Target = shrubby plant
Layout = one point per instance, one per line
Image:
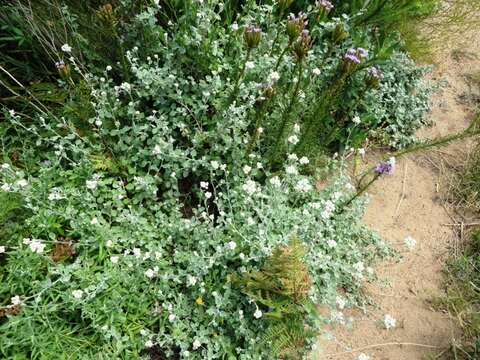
(160, 181)
(142, 275)
(400, 106)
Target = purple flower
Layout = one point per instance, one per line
(362, 53)
(355, 55)
(295, 25)
(375, 73)
(386, 167)
(352, 58)
(327, 5)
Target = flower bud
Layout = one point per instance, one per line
(63, 69)
(339, 34)
(106, 14)
(324, 7)
(295, 25)
(284, 4)
(252, 36)
(302, 45)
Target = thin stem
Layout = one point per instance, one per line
(280, 58)
(361, 191)
(293, 100)
(240, 76)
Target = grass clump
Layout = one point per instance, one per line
(463, 298)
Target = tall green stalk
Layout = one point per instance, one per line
(286, 115)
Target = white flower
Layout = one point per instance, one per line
(304, 160)
(249, 65)
(157, 150)
(16, 300)
(114, 259)
(292, 157)
(392, 162)
(291, 170)
(137, 252)
(77, 294)
(247, 169)
(257, 314)
(55, 195)
(125, 86)
(296, 128)
(21, 183)
(250, 187)
(410, 243)
(171, 317)
(363, 356)
(389, 322)
(361, 151)
(275, 181)
(208, 194)
(359, 266)
(293, 139)
(316, 71)
(196, 344)
(66, 48)
(27, 241)
(6, 187)
(204, 184)
(260, 130)
(234, 26)
(109, 243)
(149, 344)
(274, 76)
(94, 221)
(303, 186)
(2, 249)
(36, 246)
(232, 245)
(91, 184)
(108, 68)
(356, 119)
(191, 280)
(214, 164)
(149, 273)
(341, 303)
(5, 166)
(332, 243)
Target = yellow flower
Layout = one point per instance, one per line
(199, 301)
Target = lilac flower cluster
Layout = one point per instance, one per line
(386, 167)
(295, 25)
(252, 36)
(355, 55)
(327, 5)
(375, 73)
(302, 45)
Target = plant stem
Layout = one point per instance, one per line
(285, 118)
(240, 76)
(280, 58)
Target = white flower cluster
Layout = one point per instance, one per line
(35, 245)
(389, 321)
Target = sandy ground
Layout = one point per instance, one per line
(408, 203)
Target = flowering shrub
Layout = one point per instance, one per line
(140, 274)
(185, 165)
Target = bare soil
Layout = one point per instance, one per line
(409, 203)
